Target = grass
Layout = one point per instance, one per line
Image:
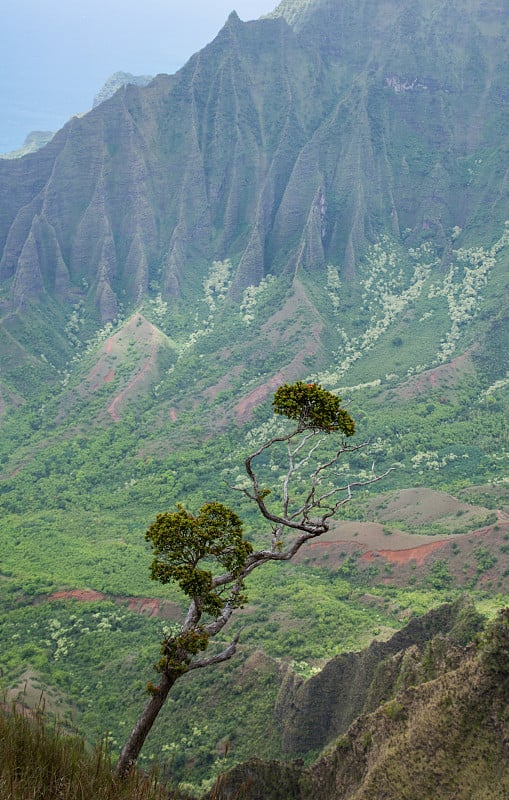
(41, 761)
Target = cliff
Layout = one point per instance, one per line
(281, 146)
(445, 737)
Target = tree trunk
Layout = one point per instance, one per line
(139, 733)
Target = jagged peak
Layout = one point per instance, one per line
(293, 11)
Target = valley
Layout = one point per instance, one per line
(313, 197)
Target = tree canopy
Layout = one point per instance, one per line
(181, 542)
(313, 407)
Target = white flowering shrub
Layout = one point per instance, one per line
(333, 287)
(75, 323)
(495, 387)
(393, 279)
(61, 637)
(431, 461)
(462, 288)
(158, 308)
(251, 296)
(217, 282)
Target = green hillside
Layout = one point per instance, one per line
(320, 195)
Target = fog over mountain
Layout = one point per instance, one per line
(56, 56)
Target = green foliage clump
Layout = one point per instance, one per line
(177, 651)
(395, 710)
(485, 560)
(181, 541)
(313, 407)
(440, 576)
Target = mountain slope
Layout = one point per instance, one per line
(280, 149)
(320, 196)
(445, 736)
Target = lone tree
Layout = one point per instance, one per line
(208, 556)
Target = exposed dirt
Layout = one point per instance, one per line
(246, 406)
(420, 508)
(137, 380)
(31, 694)
(445, 377)
(373, 536)
(477, 556)
(369, 541)
(415, 554)
(137, 342)
(84, 595)
(278, 330)
(223, 384)
(149, 606)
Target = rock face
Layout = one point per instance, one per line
(313, 713)
(286, 144)
(438, 733)
(34, 141)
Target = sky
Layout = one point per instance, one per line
(57, 54)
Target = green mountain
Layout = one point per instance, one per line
(440, 732)
(281, 148)
(318, 195)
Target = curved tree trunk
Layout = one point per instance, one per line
(180, 650)
(139, 733)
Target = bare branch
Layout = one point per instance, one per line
(193, 616)
(225, 655)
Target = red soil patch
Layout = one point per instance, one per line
(246, 406)
(83, 595)
(137, 332)
(417, 554)
(418, 507)
(403, 556)
(370, 543)
(149, 606)
(222, 385)
(144, 606)
(152, 607)
(172, 413)
(441, 376)
(113, 408)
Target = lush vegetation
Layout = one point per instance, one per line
(78, 491)
(385, 300)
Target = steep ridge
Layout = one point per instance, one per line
(440, 731)
(280, 148)
(315, 712)
(321, 198)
